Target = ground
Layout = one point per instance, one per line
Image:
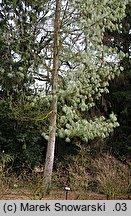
(55, 195)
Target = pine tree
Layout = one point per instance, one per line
(83, 78)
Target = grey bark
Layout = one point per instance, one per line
(53, 117)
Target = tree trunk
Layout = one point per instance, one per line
(52, 128)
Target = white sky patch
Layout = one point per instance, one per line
(112, 58)
(16, 56)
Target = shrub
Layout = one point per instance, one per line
(113, 176)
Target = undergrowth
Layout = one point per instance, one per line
(83, 174)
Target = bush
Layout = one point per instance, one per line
(112, 176)
(73, 171)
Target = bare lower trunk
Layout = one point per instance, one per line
(52, 129)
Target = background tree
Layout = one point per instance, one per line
(21, 111)
(120, 88)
